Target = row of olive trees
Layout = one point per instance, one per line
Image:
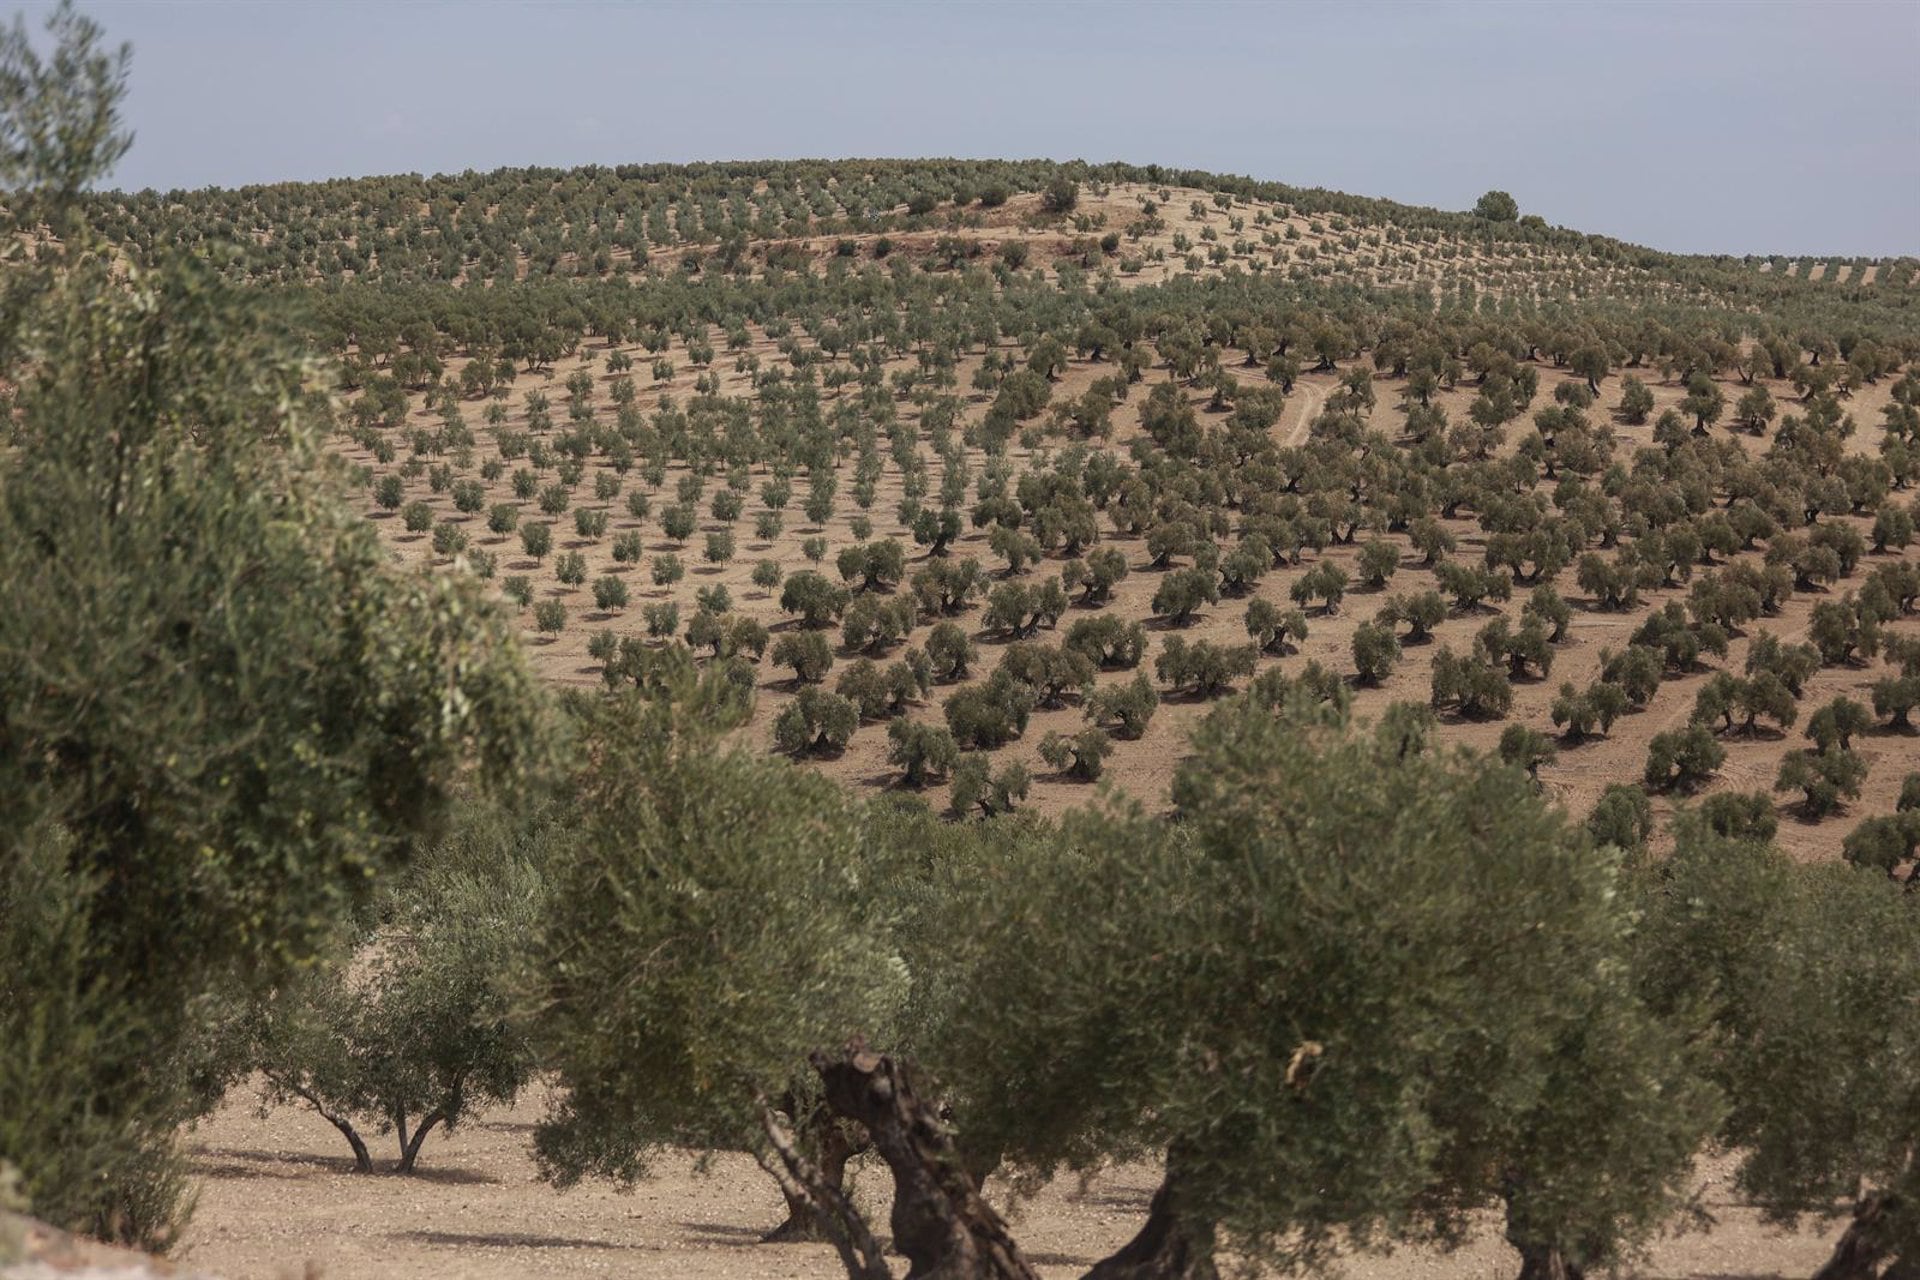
(828, 923)
(736, 955)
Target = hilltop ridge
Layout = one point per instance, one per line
(545, 221)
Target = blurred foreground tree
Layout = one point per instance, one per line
(224, 712)
(1805, 972)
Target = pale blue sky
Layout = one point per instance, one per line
(1726, 126)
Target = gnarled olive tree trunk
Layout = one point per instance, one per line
(1870, 1248)
(940, 1221)
(410, 1143)
(830, 1146)
(1544, 1262)
(362, 1158)
(810, 1193)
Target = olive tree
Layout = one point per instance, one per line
(1805, 972)
(1379, 561)
(1182, 592)
(976, 786)
(705, 933)
(807, 652)
(1682, 759)
(922, 751)
(1276, 632)
(1079, 756)
(1096, 575)
(815, 723)
(1326, 581)
(950, 651)
(1363, 1100)
(412, 1029)
(1497, 206)
(816, 600)
(1825, 778)
(1375, 650)
(1127, 708)
(1203, 668)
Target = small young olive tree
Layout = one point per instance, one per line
(412, 1030)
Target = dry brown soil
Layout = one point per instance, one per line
(278, 1200)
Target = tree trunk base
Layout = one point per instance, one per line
(1867, 1250)
(1539, 1262)
(831, 1148)
(808, 1190)
(1166, 1248)
(801, 1227)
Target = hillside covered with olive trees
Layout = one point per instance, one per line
(1003, 473)
(1017, 719)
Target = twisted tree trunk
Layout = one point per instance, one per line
(1869, 1242)
(804, 1184)
(410, 1146)
(831, 1148)
(1169, 1246)
(940, 1221)
(451, 1104)
(1540, 1259)
(362, 1158)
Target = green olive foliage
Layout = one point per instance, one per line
(706, 929)
(1803, 971)
(228, 713)
(1306, 1086)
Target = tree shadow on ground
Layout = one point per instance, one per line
(501, 1240)
(727, 1234)
(235, 1164)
